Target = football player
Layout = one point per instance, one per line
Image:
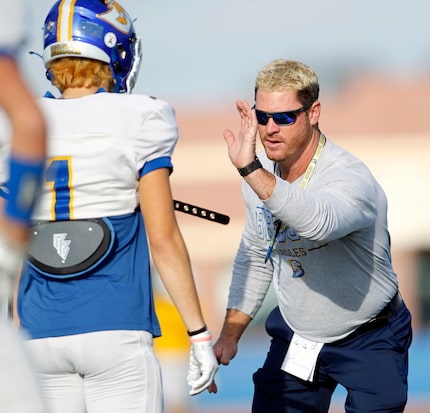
(85, 296)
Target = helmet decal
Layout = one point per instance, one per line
(116, 16)
(110, 39)
(95, 29)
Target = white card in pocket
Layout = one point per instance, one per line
(301, 358)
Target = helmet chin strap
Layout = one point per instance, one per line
(116, 85)
(48, 73)
(116, 71)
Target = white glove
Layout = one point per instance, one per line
(203, 363)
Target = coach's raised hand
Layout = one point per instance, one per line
(241, 148)
(203, 363)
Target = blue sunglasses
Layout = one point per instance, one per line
(280, 118)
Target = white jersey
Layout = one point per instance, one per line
(12, 25)
(98, 146)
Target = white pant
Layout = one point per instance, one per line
(100, 372)
(19, 390)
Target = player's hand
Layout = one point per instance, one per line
(203, 364)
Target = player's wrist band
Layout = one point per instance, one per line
(253, 166)
(199, 331)
(23, 187)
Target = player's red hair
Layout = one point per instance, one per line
(75, 72)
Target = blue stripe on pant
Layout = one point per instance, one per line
(373, 367)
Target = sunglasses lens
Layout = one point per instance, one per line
(262, 118)
(280, 118)
(284, 118)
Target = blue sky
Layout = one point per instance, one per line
(210, 51)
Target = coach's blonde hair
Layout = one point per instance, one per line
(283, 74)
(76, 72)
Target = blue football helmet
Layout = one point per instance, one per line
(94, 29)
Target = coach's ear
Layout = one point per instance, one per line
(314, 113)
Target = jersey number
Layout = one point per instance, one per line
(59, 177)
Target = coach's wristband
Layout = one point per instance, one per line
(253, 166)
(23, 187)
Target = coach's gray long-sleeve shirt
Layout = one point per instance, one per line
(331, 263)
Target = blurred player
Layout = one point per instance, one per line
(85, 295)
(24, 131)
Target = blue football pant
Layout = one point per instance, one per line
(373, 367)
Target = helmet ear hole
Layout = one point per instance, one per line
(117, 67)
(122, 53)
(48, 75)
